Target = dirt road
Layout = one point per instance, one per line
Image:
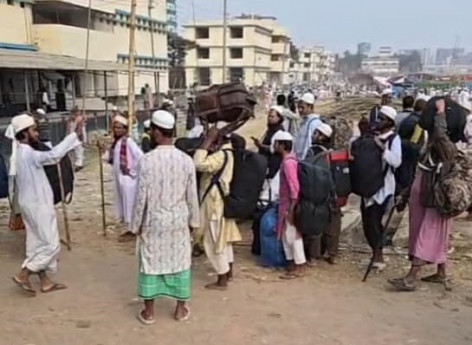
(328, 307)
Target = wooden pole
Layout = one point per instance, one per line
(64, 208)
(87, 46)
(131, 88)
(105, 85)
(225, 29)
(151, 29)
(74, 101)
(102, 190)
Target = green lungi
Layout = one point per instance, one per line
(175, 285)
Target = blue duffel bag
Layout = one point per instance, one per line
(272, 252)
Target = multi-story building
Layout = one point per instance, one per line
(257, 51)
(314, 65)
(381, 65)
(54, 33)
(171, 15)
(445, 55)
(385, 51)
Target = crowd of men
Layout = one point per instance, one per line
(160, 204)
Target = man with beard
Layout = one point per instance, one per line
(36, 202)
(386, 99)
(123, 155)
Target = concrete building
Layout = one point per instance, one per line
(257, 51)
(381, 65)
(53, 34)
(314, 65)
(171, 8)
(385, 51)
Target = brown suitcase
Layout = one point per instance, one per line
(229, 102)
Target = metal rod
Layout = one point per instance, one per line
(87, 46)
(105, 85)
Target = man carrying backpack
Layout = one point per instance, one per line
(288, 198)
(215, 180)
(373, 207)
(386, 99)
(309, 122)
(408, 102)
(328, 241)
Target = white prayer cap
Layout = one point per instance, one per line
(282, 136)
(386, 92)
(388, 111)
(308, 98)
(121, 119)
(40, 111)
(147, 124)
(115, 108)
(167, 102)
(163, 119)
(325, 129)
(22, 122)
(278, 109)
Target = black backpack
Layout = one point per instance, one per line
(249, 171)
(407, 127)
(3, 178)
(456, 118)
(52, 174)
(366, 168)
(317, 195)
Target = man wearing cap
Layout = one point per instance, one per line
(292, 240)
(168, 105)
(146, 137)
(309, 122)
(322, 142)
(123, 155)
(219, 233)
(386, 99)
(373, 208)
(166, 210)
(36, 202)
(42, 124)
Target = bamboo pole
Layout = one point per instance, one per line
(87, 48)
(102, 190)
(131, 55)
(64, 208)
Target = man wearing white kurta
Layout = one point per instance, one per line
(123, 156)
(165, 210)
(36, 202)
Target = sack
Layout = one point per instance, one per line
(52, 174)
(342, 132)
(249, 172)
(272, 252)
(453, 191)
(339, 166)
(3, 178)
(229, 102)
(455, 118)
(316, 197)
(366, 168)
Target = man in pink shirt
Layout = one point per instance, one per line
(289, 187)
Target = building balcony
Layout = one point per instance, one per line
(281, 48)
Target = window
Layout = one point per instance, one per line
(203, 53)
(307, 65)
(10, 2)
(236, 74)
(274, 58)
(307, 55)
(236, 53)
(204, 76)
(202, 33)
(236, 32)
(306, 77)
(292, 64)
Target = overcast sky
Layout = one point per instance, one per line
(341, 24)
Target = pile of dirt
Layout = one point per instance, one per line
(351, 108)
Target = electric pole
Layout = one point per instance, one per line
(156, 74)
(225, 28)
(132, 54)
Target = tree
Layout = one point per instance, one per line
(410, 63)
(294, 52)
(349, 64)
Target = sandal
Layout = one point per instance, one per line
(401, 285)
(26, 286)
(184, 318)
(143, 320)
(216, 287)
(437, 279)
(54, 287)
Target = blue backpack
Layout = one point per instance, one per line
(3, 178)
(272, 252)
